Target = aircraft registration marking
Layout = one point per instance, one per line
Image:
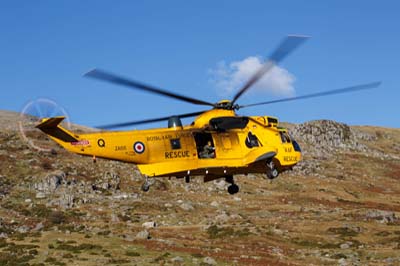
(120, 148)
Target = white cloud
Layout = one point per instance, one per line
(228, 78)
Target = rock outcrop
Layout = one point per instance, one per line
(67, 192)
(327, 135)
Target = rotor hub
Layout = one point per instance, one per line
(226, 105)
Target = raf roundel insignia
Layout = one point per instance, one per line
(138, 147)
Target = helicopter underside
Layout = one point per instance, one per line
(270, 168)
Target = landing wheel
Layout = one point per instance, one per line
(233, 189)
(187, 179)
(145, 187)
(272, 172)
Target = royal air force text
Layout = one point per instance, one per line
(167, 137)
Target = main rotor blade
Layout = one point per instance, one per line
(106, 76)
(289, 44)
(320, 94)
(146, 121)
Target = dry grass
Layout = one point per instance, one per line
(296, 219)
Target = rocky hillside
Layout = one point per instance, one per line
(339, 206)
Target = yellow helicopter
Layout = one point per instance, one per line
(218, 144)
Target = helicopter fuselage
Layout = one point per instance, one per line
(246, 147)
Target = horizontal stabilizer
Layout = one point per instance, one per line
(51, 128)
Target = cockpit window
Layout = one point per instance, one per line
(252, 141)
(296, 145)
(285, 137)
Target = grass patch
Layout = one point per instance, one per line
(3, 243)
(315, 244)
(7, 258)
(394, 240)
(5, 185)
(54, 261)
(339, 256)
(104, 233)
(383, 233)
(78, 248)
(220, 232)
(71, 228)
(68, 256)
(348, 201)
(243, 233)
(329, 245)
(56, 217)
(343, 231)
(13, 254)
(162, 257)
(132, 254)
(119, 261)
(46, 215)
(124, 218)
(41, 212)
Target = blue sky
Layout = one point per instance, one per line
(46, 47)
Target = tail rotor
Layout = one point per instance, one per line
(31, 115)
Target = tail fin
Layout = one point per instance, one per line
(51, 127)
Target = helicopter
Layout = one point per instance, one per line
(219, 143)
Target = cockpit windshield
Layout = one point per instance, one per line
(296, 145)
(285, 137)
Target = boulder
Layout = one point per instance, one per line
(40, 195)
(51, 182)
(186, 206)
(143, 235)
(149, 225)
(209, 261)
(382, 216)
(177, 260)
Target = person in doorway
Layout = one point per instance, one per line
(208, 151)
